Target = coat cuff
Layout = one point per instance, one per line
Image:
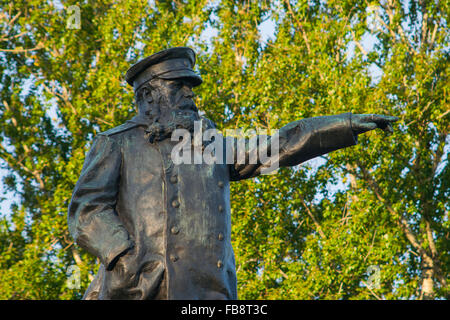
(338, 133)
(105, 237)
(111, 258)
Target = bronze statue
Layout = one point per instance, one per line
(163, 230)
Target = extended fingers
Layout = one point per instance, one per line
(380, 118)
(365, 122)
(384, 122)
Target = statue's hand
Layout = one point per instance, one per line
(366, 122)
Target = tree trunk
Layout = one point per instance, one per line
(427, 280)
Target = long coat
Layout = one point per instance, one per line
(163, 231)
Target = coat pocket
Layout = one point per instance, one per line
(133, 279)
(150, 279)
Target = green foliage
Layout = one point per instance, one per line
(309, 232)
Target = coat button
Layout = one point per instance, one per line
(220, 236)
(219, 264)
(173, 179)
(220, 184)
(220, 208)
(173, 257)
(175, 230)
(175, 203)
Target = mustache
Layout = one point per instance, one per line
(186, 104)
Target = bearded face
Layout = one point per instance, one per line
(169, 105)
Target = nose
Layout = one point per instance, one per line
(187, 91)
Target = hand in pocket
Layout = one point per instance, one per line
(123, 276)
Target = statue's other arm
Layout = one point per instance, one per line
(305, 139)
(92, 219)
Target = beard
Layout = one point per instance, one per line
(169, 117)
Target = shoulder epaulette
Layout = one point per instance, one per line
(136, 121)
(123, 127)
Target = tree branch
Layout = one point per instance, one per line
(20, 49)
(11, 160)
(430, 260)
(400, 220)
(371, 291)
(316, 223)
(300, 25)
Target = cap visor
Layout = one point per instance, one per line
(176, 74)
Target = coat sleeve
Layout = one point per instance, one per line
(293, 144)
(92, 219)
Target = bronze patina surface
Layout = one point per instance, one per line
(163, 230)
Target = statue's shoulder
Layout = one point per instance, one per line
(137, 121)
(119, 129)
